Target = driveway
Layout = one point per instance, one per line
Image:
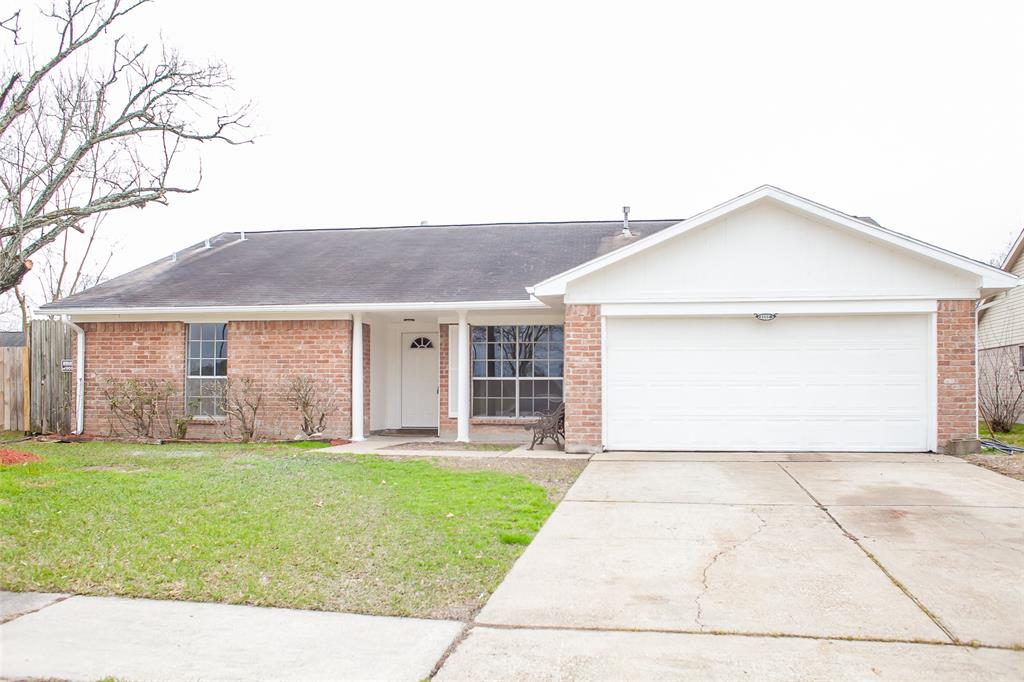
(764, 566)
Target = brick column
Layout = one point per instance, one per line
(583, 378)
(957, 409)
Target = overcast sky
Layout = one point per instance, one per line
(383, 113)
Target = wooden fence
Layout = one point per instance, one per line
(50, 346)
(14, 387)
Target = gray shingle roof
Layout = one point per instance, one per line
(442, 263)
(12, 339)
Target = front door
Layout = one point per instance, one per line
(419, 380)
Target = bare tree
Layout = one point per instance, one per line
(1000, 388)
(77, 140)
(313, 400)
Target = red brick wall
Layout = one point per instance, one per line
(957, 383)
(583, 378)
(123, 350)
(271, 352)
(447, 427)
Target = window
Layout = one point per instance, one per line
(206, 368)
(517, 370)
(421, 342)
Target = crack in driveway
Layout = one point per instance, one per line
(699, 618)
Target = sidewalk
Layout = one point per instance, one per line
(89, 638)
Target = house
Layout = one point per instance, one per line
(1001, 325)
(769, 322)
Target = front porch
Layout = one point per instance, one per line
(464, 375)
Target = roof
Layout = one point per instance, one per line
(421, 264)
(992, 278)
(12, 339)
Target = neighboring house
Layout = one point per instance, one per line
(769, 322)
(12, 339)
(1001, 324)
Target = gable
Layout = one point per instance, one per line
(769, 251)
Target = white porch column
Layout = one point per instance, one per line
(464, 387)
(357, 377)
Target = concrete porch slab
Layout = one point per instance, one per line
(687, 482)
(878, 484)
(750, 569)
(89, 638)
(384, 446)
(558, 655)
(965, 563)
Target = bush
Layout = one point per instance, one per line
(313, 400)
(143, 408)
(1000, 388)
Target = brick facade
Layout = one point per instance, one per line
(123, 350)
(957, 383)
(274, 351)
(583, 378)
(271, 352)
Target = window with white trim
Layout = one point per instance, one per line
(206, 368)
(517, 370)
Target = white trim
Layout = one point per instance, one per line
(604, 381)
(344, 310)
(357, 378)
(991, 277)
(465, 404)
(933, 387)
(751, 307)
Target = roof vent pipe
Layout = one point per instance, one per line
(242, 238)
(207, 243)
(625, 222)
(174, 257)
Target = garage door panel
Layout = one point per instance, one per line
(799, 383)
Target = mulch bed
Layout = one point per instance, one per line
(18, 457)
(1007, 465)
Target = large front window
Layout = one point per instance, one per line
(517, 370)
(207, 368)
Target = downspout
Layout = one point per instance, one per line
(79, 377)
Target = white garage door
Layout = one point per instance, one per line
(844, 383)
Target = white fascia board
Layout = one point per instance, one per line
(991, 276)
(735, 308)
(341, 310)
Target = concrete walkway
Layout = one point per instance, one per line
(696, 566)
(89, 638)
(390, 446)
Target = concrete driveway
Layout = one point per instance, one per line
(764, 566)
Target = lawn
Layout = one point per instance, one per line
(270, 524)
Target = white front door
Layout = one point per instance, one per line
(419, 380)
(795, 383)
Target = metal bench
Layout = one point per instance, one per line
(550, 425)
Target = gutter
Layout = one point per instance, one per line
(79, 376)
(343, 309)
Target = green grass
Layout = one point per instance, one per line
(265, 524)
(1014, 437)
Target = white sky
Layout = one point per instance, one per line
(376, 113)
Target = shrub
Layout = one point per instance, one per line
(140, 406)
(313, 400)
